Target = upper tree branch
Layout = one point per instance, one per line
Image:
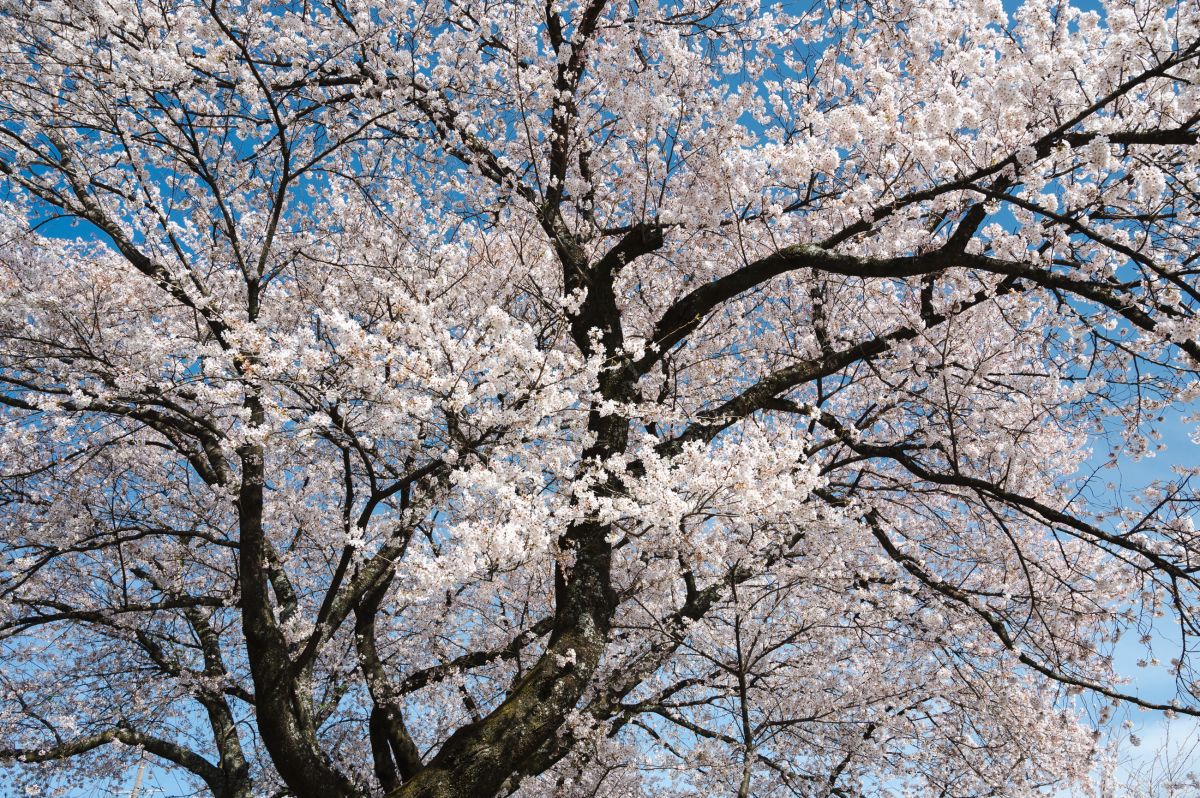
(164, 749)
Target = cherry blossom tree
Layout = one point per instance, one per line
(589, 397)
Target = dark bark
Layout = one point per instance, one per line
(283, 707)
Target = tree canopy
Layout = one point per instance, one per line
(590, 397)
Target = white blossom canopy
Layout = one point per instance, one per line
(589, 398)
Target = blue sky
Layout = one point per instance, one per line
(1174, 739)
